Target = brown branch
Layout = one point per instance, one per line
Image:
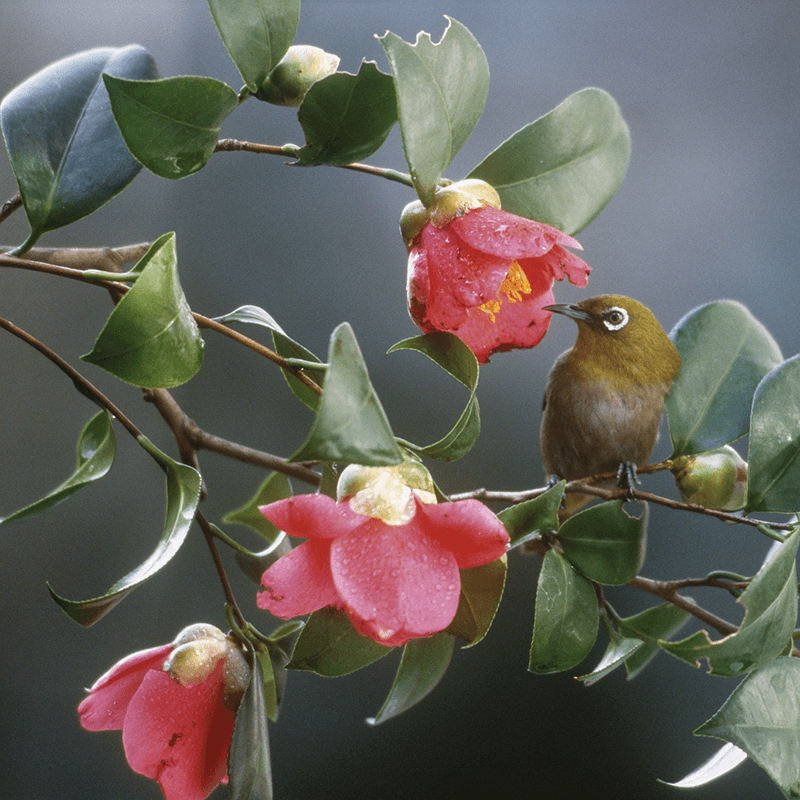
(10, 206)
(106, 259)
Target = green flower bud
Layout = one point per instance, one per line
(386, 493)
(715, 479)
(449, 202)
(301, 67)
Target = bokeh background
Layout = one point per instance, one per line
(709, 209)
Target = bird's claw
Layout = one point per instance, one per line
(627, 477)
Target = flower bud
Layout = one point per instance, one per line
(198, 650)
(715, 479)
(386, 493)
(301, 67)
(449, 202)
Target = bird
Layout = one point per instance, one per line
(605, 396)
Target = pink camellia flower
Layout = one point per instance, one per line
(482, 273)
(175, 705)
(385, 552)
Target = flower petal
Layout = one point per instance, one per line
(467, 528)
(300, 582)
(563, 262)
(104, 709)
(312, 516)
(395, 582)
(179, 735)
(496, 232)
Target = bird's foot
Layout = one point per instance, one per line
(627, 477)
(553, 480)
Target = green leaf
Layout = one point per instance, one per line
(765, 633)
(330, 646)
(422, 666)
(351, 426)
(774, 448)
(183, 495)
(604, 543)
(256, 34)
(275, 487)
(532, 517)
(651, 626)
(284, 346)
(171, 126)
(66, 152)
(566, 619)
(619, 649)
(728, 757)
(441, 91)
(563, 168)
(481, 592)
(453, 356)
(249, 767)
(725, 352)
(762, 717)
(279, 646)
(345, 117)
(151, 339)
(96, 449)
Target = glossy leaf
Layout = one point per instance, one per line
(284, 346)
(774, 448)
(619, 649)
(481, 592)
(422, 666)
(525, 520)
(279, 647)
(256, 34)
(441, 91)
(66, 152)
(453, 356)
(566, 619)
(346, 118)
(330, 646)
(96, 449)
(171, 126)
(249, 769)
(351, 426)
(274, 487)
(651, 626)
(762, 717)
(728, 757)
(725, 352)
(563, 168)
(605, 543)
(151, 339)
(183, 495)
(765, 633)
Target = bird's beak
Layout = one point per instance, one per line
(573, 311)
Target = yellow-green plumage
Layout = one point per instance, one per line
(605, 396)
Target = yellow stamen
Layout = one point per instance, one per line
(514, 285)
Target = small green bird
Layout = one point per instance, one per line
(605, 396)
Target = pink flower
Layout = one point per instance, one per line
(389, 560)
(175, 705)
(482, 273)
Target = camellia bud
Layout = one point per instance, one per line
(301, 67)
(386, 493)
(449, 202)
(197, 651)
(715, 479)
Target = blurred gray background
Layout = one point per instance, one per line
(708, 209)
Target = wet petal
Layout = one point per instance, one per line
(300, 582)
(496, 232)
(312, 516)
(395, 582)
(468, 529)
(179, 735)
(104, 709)
(560, 262)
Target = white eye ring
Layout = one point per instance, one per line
(616, 313)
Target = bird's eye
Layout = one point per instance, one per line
(615, 318)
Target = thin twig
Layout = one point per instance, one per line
(10, 206)
(106, 259)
